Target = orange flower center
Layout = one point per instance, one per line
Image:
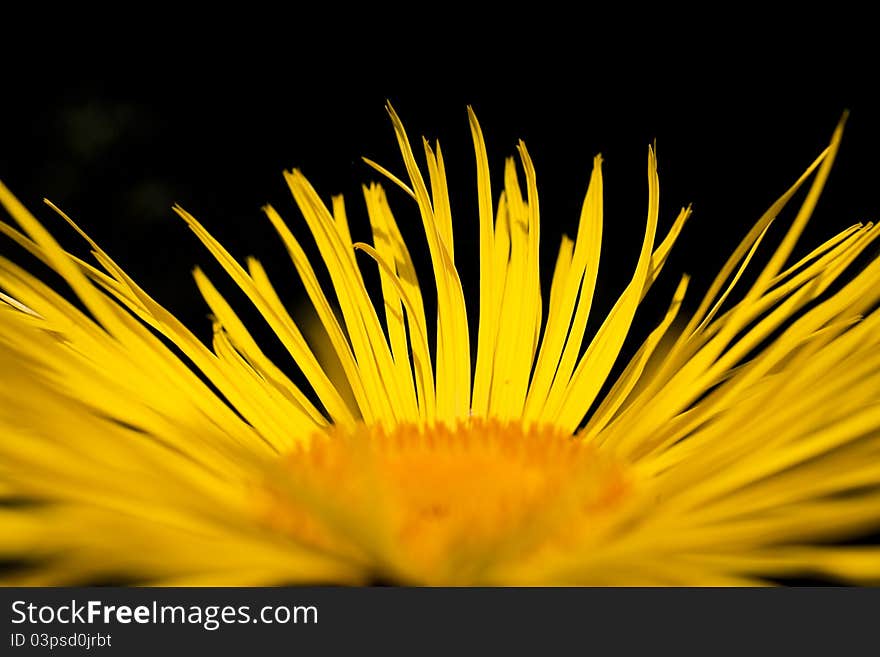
(446, 504)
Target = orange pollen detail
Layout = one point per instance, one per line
(443, 503)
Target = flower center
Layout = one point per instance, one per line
(447, 504)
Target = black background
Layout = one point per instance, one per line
(115, 143)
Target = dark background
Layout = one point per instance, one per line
(116, 144)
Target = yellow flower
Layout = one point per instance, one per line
(738, 448)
